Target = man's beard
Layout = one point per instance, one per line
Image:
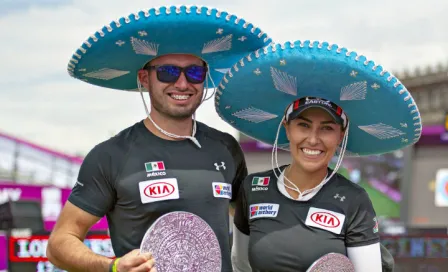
(171, 111)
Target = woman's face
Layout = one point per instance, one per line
(314, 137)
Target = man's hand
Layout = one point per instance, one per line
(136, 262)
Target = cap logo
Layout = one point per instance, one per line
(296, 104)
(339, 111)
(317, 101)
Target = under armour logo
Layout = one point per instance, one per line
(223, 166)
(340, 197)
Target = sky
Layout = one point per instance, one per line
(40, 102)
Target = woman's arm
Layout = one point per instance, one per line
(241, 232)
(366, 258)
(240, 251)
(362, 239)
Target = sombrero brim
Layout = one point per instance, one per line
(112, 56)
(253, 95)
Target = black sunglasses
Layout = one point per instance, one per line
(168, 73)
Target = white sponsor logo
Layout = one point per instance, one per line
(263, 210)
(156, 174)
(325, 219)
(222, 190)
(219, 166)
(317, 101)
(158, 190)
(255, 189)
(341, 198)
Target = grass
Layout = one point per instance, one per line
(383, 205)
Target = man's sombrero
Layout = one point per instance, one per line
(253, 95)
(112, 56)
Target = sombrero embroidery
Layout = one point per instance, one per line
(254, 94)
(112, 56)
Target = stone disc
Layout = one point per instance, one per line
(332, 262)
(182, 241)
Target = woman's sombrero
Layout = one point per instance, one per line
(253, 95)
(112, 56)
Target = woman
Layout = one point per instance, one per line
(315, 100)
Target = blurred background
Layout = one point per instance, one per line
(49, 121)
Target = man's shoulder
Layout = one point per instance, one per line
(219, 136)
(117, 144)
(214, 133)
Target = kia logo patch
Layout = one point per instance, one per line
(325, 219)
(159, 189)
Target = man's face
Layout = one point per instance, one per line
(177, 100)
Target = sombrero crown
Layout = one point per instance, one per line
(254, 94)
(113, 55)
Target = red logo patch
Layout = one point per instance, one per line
(325, 219)
(159, 189)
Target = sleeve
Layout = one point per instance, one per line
(363, 227)
(387, 259)
(240, 166)
(94, 191)
(240, 252)
(357, 256)
(240, 218)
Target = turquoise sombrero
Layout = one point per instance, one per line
(112, 56)
(253, 95)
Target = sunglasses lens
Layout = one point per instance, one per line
(168, 73)
(196, 74)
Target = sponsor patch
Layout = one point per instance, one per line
(260, 183)
(222, 190)
(375, 227)
(325, 219)
(263, 210)
(154, 169)
(158, 190)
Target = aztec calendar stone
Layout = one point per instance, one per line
(332, 262)
(182, 241)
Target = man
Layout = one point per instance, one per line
(167, 162)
